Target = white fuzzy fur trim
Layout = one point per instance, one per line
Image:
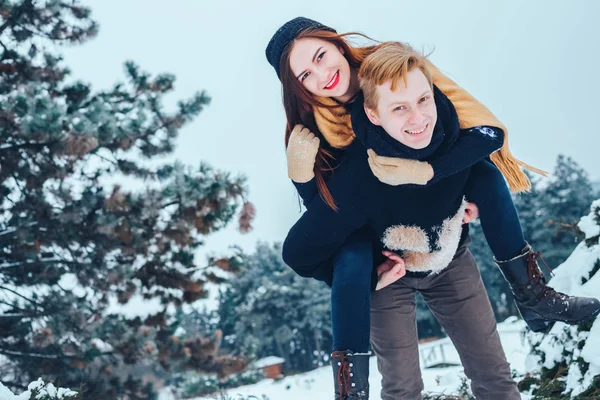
(400, 237)
(412, 241)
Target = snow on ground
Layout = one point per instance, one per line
(318, 384)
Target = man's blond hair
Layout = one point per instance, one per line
(391, 61)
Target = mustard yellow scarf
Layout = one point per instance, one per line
(335, 125)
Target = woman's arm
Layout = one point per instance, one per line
(301, 154)
(321, 231)
(472, 146)
(472, 113)
(307, 190)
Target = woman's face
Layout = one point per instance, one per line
(321, 68)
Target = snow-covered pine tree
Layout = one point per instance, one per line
(40, 390)
(565, 198)
(71, 250)
(268, 310)
(566, 361)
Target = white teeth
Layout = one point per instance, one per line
(417, 132)
(331, 81)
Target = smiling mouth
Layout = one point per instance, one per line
(335, 79)
(417, 132)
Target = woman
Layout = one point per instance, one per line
(318, 69)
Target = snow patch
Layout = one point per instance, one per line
(43, 389)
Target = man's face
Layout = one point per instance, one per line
(407, 114)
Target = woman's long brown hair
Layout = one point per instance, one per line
(298, 102)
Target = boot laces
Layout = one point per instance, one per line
(343, 375)
(536, 274)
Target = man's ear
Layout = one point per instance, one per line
(372, 115)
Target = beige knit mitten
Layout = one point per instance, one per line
(399, 171)
(301, 154)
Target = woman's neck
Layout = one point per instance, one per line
(353, 89)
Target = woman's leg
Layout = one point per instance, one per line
(538, 303)
(350, 316)
(350, 294)
(500, 222)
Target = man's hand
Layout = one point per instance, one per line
(390, 270)
(471, 213)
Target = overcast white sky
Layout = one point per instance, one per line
(532, 62)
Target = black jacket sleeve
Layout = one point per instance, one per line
(472, 146)
(307, 191)
(321, 231)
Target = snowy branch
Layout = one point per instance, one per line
(14, 229)
(25, 145)
(36, 355)
(45, 356)
(43, 261)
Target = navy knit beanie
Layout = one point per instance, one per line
(286, 34)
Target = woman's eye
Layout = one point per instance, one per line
(304, 76)
(321, 56)
(424, 99)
